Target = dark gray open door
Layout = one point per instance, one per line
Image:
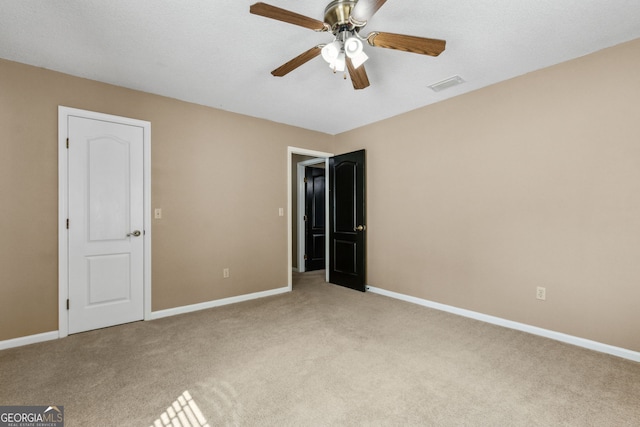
(347, 220)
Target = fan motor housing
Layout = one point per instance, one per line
(336, 14)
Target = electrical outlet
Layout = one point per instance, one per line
(157, 214)
(541, 293)
(225, 273)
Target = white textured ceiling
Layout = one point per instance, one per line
(214, 53)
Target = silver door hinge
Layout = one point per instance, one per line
(67, 223)
(305, 257)
(304, 218)
(304, 180)
(67, 303)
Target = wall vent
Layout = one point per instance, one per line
(446, 83)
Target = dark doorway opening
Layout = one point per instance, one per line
(314, 217)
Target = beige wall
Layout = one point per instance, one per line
(475, 201)
(218, 177)
(472, 202)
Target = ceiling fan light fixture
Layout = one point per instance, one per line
(354, 50)
(339, 64)
(334, 54)
(353, 47)
(359, 59)
(331, 51)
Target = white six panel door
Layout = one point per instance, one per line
(106, 223)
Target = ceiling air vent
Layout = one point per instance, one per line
(446, 83)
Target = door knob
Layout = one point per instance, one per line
(134, 234)
(360, 228)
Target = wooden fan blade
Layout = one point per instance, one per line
(421, 45)
(304, 57)
(364, 10)
(284, 15)
(358, 75)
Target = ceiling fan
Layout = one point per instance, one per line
(344, 19)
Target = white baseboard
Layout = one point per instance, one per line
(558, 336)
(47, 336)
(29, 339)
(216, 303)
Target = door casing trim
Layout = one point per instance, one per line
(63, 197)
(303, 152)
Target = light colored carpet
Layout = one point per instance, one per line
(321, 355)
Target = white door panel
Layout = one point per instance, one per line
(109, 279)
(109, 179)
(106, 205)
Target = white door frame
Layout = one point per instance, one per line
(312, 153)
(63, 198)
